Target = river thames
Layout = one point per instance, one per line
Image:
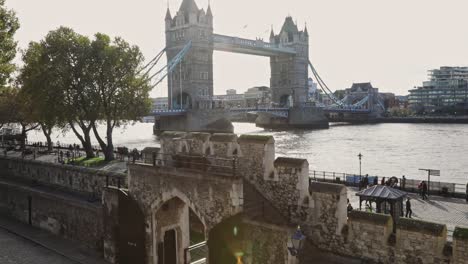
(387, 149)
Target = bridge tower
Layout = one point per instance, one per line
(190, 85)
(289, 73)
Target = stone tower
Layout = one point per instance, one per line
(289, 74)
(190, 85)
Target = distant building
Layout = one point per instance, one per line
(229, 100)
(402, 101)
(314, 93)
(257, 96)
(231, 92)
(389, 100)
(446, 87)
(160, 103)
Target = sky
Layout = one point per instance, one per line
(389, 43)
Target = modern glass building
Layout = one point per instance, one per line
(447, 86)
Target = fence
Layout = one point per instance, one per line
(222, 166)
(410, 185)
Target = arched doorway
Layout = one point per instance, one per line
(183, 101)
(286, 100)
(176, 229)
(131, 231)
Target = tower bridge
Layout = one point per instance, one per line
(190, 43)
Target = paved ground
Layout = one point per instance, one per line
(450, 211)
(16, 250)
(21, 243)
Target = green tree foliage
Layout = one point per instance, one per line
(82, 83)
(8, 26)
(21, 112)
(122, 94)
(56, 73)
(34, 78)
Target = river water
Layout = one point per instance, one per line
(387, 149)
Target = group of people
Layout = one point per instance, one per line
(422, 190)
(392, 182)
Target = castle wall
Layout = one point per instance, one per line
(70, 178)
(368, 236)
(58, 213)
(460, 245)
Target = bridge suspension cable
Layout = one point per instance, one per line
(324, 86)
(157, 77)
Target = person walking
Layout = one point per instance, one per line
(376, 180)
(383, 181)
(366, 181)
(424, 190)
(350, 207)
(409, 212)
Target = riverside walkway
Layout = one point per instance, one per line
(450, 211)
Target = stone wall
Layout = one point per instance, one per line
(58, 213)
(71, 178)
(212, 198)
(460, 245)
(370, 236)
(110, 201)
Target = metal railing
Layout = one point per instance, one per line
(196, 254)
(410, 185)
(215, 165)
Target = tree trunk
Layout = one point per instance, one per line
(110, 144)
(87, 145)
(23, 138)
(86, 141)
(47, 132)
(106, 147)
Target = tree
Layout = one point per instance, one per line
(35, 80)
(56, 74)
(22, 112)
(8, 26)
(122, 94)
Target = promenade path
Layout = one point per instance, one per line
(445, 210)
(24, 244)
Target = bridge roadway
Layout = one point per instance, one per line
(279, 111)
(252, 47)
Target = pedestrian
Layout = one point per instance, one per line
(376, 180)
(350, 207)
(383, 181)
(366, 181)
(424, 190)
(409, 212)
(403, 182)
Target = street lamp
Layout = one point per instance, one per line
(360, 158)
(360, 172)
(297, 241)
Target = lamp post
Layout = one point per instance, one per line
(297, 241)
(360, 172)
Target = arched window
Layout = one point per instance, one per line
(208, 151)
